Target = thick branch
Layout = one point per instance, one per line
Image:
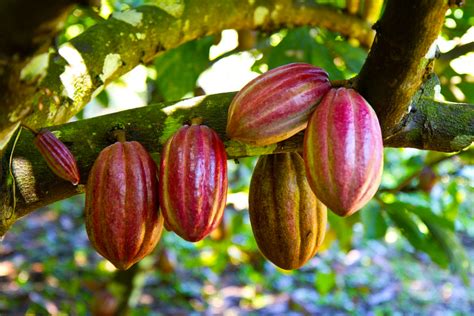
(152, 125)
(436, 126)
(457, 51)
(112, 48)
(28, 28)
(30, 25)
(397, 62)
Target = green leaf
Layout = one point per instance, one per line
(322, 57)
(178, 69)
(467, 156)
(325, 282)
(425, 213)
(409, 228)
(458, 259)
(343, 229)
(374, 223)
(353, 57)
(299, 46)
(416, 232)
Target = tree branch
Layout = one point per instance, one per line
(439, 126)
(396, 65)
(104, 52)
(457, 51)
(37, 186)
(406, 182)
(29, 28)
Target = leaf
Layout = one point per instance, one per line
(325, 282)
(409, 228)
(374, 223)
(353, 57)
(425, 213)
(458, 259)
(343, 229)
(299, 46)
(467, 156)
(178, 69)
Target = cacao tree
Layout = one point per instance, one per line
(58, 56)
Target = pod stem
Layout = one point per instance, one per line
(119, 135)
(34, 131)
(10, 169)
(196, 121)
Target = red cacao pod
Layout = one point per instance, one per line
(343, 151)
(122, 215)
(58, 157)
(277, 104)
(288, 221)
(193, 182)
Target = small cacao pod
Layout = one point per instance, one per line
(104, 303)
(193, 182)
(343, 151)
(57, 156)
(287, 219)
(277, 104)
(122, 215)
(427, 179)
(165, 263)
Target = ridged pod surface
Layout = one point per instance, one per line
(288, 221)
(57, 156)
(343, 151)
(122, 214)
(193, 182)
(277, 104)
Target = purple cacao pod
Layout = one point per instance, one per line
(122, 215)
(193, 182)
(57, 156)
(277, 104)
(343, 151)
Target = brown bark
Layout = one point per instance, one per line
(37, 186)
(137, 36)
(396, 65)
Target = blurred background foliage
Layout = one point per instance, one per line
(407, 252)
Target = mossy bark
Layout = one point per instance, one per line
(113, 47)
(397, 63)
(37, 186)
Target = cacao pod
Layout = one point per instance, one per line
(277, 104)
(122, 215)
(104, 303)
(57, 156)
(427, 179)
(165, 263)
(193, 182)
(287, 219)
(343, 151)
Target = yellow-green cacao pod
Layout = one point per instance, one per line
(288, 221)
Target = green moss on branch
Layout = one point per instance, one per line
(113, 47)
(436, 126)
